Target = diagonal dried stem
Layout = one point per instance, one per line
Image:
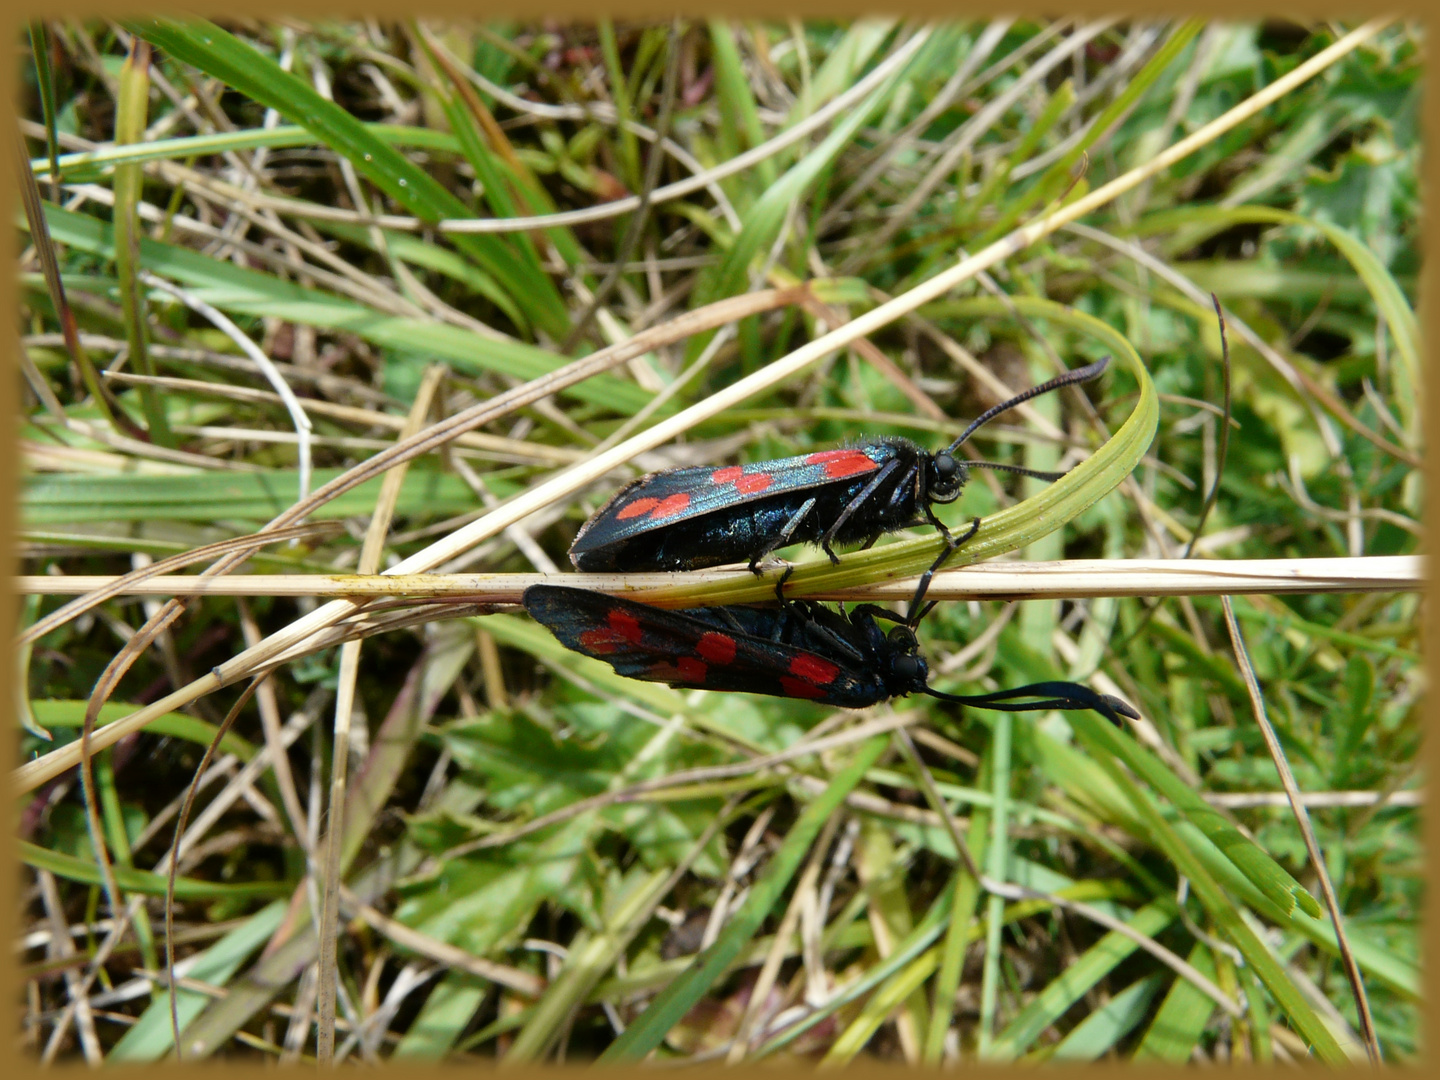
(1312, 846)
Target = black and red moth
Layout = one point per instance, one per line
(800, 649)
(692, 518)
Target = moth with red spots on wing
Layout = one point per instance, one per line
(697, 517)
(801, 649)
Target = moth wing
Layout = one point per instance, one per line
(674, 495)
(683, 650)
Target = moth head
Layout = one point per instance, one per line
(908, 669)
(946, 475)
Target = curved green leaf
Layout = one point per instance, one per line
(1011, 528)
(58, 713)
(142, 881)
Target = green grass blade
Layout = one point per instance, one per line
(45, 84)
(1181, 1020)
(1079, 978)
(1268, 875)
(1222, 910)
(590, 957)
(142, 881)
(1389, 299)
(1057, 178)
(649, 1029)
(843, 65)
(89, 165)
(762, 223)
(76, 498)
(878, 1009)
(222, 55)
(629, 148)
(57, 713)
(1098, 1033)
(443, 1018)
(131, 109)
(739, 113)
(151, 1037)
(240, 291)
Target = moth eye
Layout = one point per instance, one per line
(910, 668)
(946, 476)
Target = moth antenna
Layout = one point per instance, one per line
(1053, 695)
(1079, 375)
(1018, 469)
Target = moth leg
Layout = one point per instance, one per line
(730, 618)
(933, 520)
(839, 643)
(780, 586)
(783, 536)
(878, 612)
(854, 505)
(916, 612)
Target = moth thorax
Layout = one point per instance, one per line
(947, 476)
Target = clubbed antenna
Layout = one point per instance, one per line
(1079, 375)
(1052, 695)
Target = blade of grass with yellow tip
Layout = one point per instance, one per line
(1011, 528)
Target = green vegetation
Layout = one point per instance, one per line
(257, 255)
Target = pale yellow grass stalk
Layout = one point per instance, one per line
(1063, 579)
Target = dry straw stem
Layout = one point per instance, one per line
(371, 553)
(1063, 579)
(567, 482)
(1307, 833)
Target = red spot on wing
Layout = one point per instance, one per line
(749, 485)
(601, 642)
(745, 483)
(840, 463)
(813, 670)
(717, 648)
(672, 505)
(799, 688)
(635, 509)
(691, 670)
(625, 625)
